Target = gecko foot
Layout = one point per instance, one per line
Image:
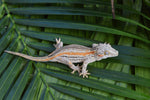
(58, 41)
(77, 69)
(85, 74)
(58, 44)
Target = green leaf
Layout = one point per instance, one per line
(130, 60)
(70, 11)
(3, 23)
(113, 75)
(9, 76)
(52, 36)
(118, 76)
(133, 51)
(5, 59)
(75, 25)
(91, 2)
(78, 93)
(41, 46)
(57, 1)
(17, 90)
(1, 11)
(32, 88)
(6, 39)
(97, 85)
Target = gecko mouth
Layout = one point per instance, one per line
(115, 54)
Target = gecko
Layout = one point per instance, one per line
(74, 53)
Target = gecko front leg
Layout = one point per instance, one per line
(70, 64)
(84, 67)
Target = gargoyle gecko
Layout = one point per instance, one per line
(75, 54)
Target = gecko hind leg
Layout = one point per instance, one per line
(70, 64)
(58, 44)
(75, 69)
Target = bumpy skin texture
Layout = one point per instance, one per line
(75, 54)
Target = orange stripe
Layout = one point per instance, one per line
(101, 55)
(69, 53)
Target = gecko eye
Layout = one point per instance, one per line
(106, 53)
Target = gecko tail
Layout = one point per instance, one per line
(11, 52)
(26, 56)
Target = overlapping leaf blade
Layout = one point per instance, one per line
(9, 76)
(5, 59)
(78, 93)
(97, 85)
(71, 11)
(32, 88)
(17, 90)
(75, 25)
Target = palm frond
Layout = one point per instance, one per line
(31, 26)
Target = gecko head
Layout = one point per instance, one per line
(104, 51)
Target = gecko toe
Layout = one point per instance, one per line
(58, 40)
(76, 69)
(85, 74)
(73, 72)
